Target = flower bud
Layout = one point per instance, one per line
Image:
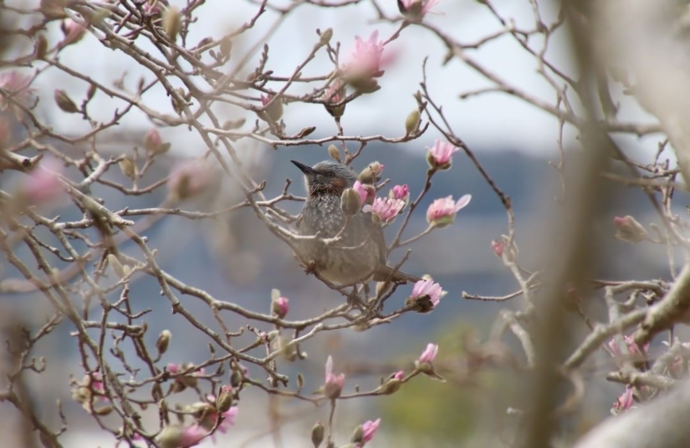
(326, 37)
(497, 247)
(401, 192)
(275, 110)
(64, 102)
(172, 22)
(41, 47)
(103, 411)
(152, 140)
(350, 202)
(279, 306)
(163, 341)
(334, 152)
(628, 229)
(412, 122)
(169, 437)
(73, 31)
(225, 46)
(115, 265)
(317, 434)
(372, 173)
(224, 400)
(235, 378)
(234, 124)
(358, 435)
(390, 387)
(128, 168)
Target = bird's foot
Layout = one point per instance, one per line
(310, 268)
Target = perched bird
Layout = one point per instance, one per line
(361, 253)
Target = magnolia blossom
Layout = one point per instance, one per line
(227, 418)
(497, 247)
(625, 401)
(334, 382)
(369, 429)
(427, 288)
(280, 306)
(188, 179)
(628, 229)
(442, 211)
(17, 85)
(175, 436)
(401, 192)
(439, 155)
(365, 59)
(416, 9)
(633, 348)
(43, 184)
(385, 208)
(429, 354)
(367, 193)
(74, 31)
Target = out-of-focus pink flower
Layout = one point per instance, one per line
(334, 382)
(401, 192)
(188, 179)
(365, 59)
(43, 184)
(367, 193)
(175, 436)
(628, 229)
(633, 349)
(227, 418)
(427, 288)
(73, 31)
(429, 354)
(16, 85)
(192, 435)
(442, 211)
(333, 93)
(385, 208)
(414, 10)
(398, 375)
(369, 429)
(280, 307)
(625, 401)
(497, 247)
(439, 156)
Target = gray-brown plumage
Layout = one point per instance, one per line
(361, 253)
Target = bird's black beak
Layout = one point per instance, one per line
(304, 168)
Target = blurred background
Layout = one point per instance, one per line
(236, 260)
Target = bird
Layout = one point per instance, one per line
(361, 253)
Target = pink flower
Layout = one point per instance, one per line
(365, 60)
(429, 354)
(367, 193)
(439, 155)
(414, 10)
(427, 288)
(280, 307)
(43, 184)
(188, 179)
(628, 229)
(16, 85)
(385, 208)
(442, 211)
(625, 401)
(398, 375)
(401, 192)
(191, 436)
(497, 247)
(632, 346)
(73, 31)
(369, 429)
(334, 383)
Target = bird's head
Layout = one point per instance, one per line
(327, 177)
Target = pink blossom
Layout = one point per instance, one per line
(280, 306)
(427, 288)
(497, 247)
(369, 429)
(628, 229)
(365, 59)
(439, 155)
(398, 375)
(333, 92)
(442, 211)
(400, 192)
(17, 85)
(625, 401)
(228, 418)
(416, 9)
(152, 140)
(429, 354)
(385, 208)
(188, 179)
(192, 435)
(43, 184)
(334, 382)
(367, 193)
(633, 349)
(74, 31)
